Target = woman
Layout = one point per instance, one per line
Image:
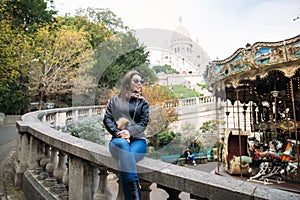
(128, 145)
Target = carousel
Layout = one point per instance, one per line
(262, 80)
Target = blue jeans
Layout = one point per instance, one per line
(127, 154)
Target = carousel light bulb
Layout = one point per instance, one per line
(275, 93)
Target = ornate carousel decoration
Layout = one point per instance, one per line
(264, 80)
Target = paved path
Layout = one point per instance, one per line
(8, 143)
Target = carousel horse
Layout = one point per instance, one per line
(273, 161)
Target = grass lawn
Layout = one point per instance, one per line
(182, 92)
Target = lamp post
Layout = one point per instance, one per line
(275, 94)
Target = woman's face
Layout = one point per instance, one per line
(136, 83)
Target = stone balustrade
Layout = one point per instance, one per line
(51, 164)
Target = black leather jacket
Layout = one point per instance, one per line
(136, 111)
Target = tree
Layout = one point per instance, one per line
(115, 57)
(100, 24)
(58, 55)
(162, 110)
(116, 49)
(30, 15)
(167, 69)
(14, 55)
(18, 19)
(148, 74)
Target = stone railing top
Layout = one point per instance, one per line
(185, 179)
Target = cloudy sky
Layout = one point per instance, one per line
(219, 26)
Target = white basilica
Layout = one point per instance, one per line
(184, 54)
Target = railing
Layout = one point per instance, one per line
(51, 164)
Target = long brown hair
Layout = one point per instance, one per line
(125, 87)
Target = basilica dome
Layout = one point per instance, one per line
(180, 33)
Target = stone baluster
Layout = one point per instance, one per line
(35, 153)
(61, 167)
(46, 157)
(80, 179)
(197, 101)
(53, 161)
(44, 118)
(65, 179)
(145, 189)
(75, 115)
(173, 194)
(103, 192)
(90, 113)
(120, 195)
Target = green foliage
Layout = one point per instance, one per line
(204, 86)
(89, 129)
(195, 145)
(58, 55)
(14, 56)
(182, 92)
(31, 15)
(167, 69)
(41, 54)
(164, 138)
(210, 125)
(148, 74)
(116, 57)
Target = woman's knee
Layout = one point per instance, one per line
(120, 143)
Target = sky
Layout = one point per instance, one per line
(219, 26)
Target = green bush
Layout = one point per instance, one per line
(90, 129)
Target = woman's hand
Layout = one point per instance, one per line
(124, 134)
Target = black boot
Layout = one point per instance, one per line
(134, 188)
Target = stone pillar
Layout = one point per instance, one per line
(24, 150)
(19, 146)
(80, 179)
(22, 153)
(103, 192)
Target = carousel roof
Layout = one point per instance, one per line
(252, 72)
